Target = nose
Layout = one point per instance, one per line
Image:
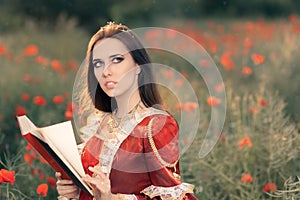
(106, 71)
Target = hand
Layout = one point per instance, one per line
(66, 188)
(100, 184)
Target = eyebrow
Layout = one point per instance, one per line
(111, 56)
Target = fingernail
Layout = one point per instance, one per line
(91, 168)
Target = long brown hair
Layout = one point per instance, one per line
(147, 88)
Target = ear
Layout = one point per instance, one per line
(138, 70)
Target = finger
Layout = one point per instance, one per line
(58, 175)
(66, 190)
(98, 172)
(94, 182)
(64, 182)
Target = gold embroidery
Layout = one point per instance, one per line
(114, 122)
(152, 144)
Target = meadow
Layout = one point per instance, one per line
(257, 155)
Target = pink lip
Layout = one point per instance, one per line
(110, 84)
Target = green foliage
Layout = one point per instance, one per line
(272, 156)
(91, 13)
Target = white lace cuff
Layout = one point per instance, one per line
(176, 192)
(126, 197)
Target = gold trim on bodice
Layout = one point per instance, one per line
(112, 142)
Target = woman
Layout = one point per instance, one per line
(133, 151)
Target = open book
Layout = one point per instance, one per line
(57, 145)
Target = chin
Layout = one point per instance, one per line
(110, 94)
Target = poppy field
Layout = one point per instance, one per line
(257, 155)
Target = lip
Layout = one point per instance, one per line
(110, 84)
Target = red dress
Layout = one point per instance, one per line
(133, 166)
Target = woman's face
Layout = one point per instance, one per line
(114, 67)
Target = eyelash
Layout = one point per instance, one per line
(115, 60)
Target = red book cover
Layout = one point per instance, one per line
(57, 145)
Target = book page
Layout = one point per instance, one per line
(61, 138)
(27, 126)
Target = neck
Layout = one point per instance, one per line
(126, 103)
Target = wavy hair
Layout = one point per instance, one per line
(147, 88)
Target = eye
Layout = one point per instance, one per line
(98, 64)
(117, 59)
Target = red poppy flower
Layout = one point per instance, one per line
(219, 87)
(72, 64)
(7, 176)
(270, 187)
(257, 58)
(263, 102)
(41, 175)
(1, 117)
(28, 158)
(26, 77)
(68, 115)
(39, 100)
(31, 50)
(2, 49)
(67, 95)
(213, 47)
(293, 18)
(247, 71)
(205, 63)
(247, 178)
(169, 74)
(70, 106)
(41, 60)
(247, 43)
(179, 83)
(213, 101)
(56, 65)
(25, 97)
(58, 99)
(245, 141)
(227, 62)
(43, 160)
(9, 56)
(190, 106)
(51, 181)
(42, 189)
(185, 74)
(20, 110)
(171, 33)
(28, 147)
(34, 171)
(151, 34)
(253, 110)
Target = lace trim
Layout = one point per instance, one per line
(111, 145)
(169, 193)
(92, 125)
(126, 197)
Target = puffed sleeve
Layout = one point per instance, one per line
(162, 154)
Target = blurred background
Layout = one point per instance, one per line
(91, 14)
(254, 44)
